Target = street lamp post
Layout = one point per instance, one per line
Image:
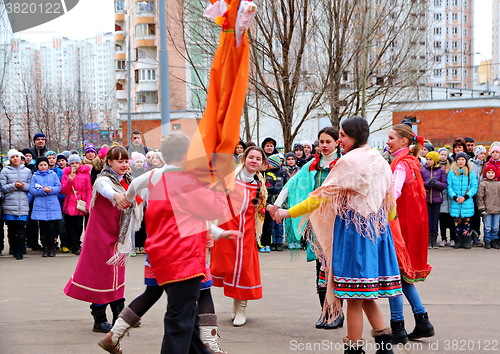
(164, 73)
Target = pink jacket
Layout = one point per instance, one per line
(83, 186)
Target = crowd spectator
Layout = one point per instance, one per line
(136, 144)
(488, 204)
(40, 147)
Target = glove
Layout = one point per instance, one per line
(433, 182)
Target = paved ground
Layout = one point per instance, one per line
(461, 296)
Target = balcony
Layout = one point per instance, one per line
(121, 94)
(120, 55)
(119, 35)
(119, 17)
(146, 41)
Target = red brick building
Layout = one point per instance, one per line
(441, 121)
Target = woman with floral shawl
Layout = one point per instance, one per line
(349, 214)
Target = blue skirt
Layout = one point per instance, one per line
(364, 268)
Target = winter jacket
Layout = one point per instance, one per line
(16, 200)
(497, 166)
(45, 205)
(462, 182)
(435, 181)
(488, 196)
(82, 184)
(477, 167)
(274, 182)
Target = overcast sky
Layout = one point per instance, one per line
(94, 16)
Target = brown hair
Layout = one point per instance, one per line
(256, 148)
(404, 131)
(174, 147)
(117, 153)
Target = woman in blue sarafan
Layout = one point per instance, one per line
(349, 214)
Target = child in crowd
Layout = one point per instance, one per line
(495, 160)
(291, 167)
(477, 163)
(61, 161)
(298, 150)
(435, 181)
(488, 203)
(462, 186)
(272, 234)
(138, 164)
(44, 187)
(445, 219)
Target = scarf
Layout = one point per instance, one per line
(358, 189)
(95, 162)
(129, 218)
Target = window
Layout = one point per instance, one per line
(438, 2)
(454, 30)
(176, 127)
(145, 29)
(438, 59)
(121, 65)
(147, 97)
(119, 5)
(454, 44)
(437, 44)
(145, 6)
(454, 72)
(454, 16)
(437, 17)
(145, 75)
(437, 30)
(437, 72)
(455, 2)
(454, 58)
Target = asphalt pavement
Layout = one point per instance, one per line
(461, 295)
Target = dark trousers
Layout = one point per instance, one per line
(32, 231)
(181, 331)
(61, 231)
(48, 233)
(267, 230)
(433, 213)
(140, 235)
(2, 235)
(74, 229)
(475, 222)
(446, 222)
(16, 233)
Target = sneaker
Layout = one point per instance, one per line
(267, 249)
(262, 249)
(452, 243)
(65, 249)
(442, 243)
(132, 253)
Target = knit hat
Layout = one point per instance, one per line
(61, 156)
(434, 156)
(291, 154)
(103, 151)
(50, 152)
(274, 161)
(464, 155)
(27, 151)
(478, 149)
(443, 149)
(90, 147)
(495, 148)
(137, 156)
(429, 147)
(14, 152)
(74, 158)
(41, 159)
(66, 153)
(308, 143)
(489, 167)
(38, 135)
(268, 140)
(298, 146)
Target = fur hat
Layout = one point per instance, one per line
(14, 152)
(38, 135)
(137, 156)
(27, 151)
(298, 146)
(274, 161)
(90, 147)
(489, 167)
(434, 156)
(462, 154)
(41, 159)
(478, 149)
(74, 158)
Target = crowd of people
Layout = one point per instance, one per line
(366, 218)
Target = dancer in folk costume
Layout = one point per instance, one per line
(178, 202)
(310, 177)
(235, 266)
(349, 214)
(99, 277)
(410, 231)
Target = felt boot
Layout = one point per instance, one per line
(240, 319)
(208, 332)
(126, 320)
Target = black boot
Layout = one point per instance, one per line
(337, 323)
(100, 320)
(321, 295)
(45, 252)
(399, 335)
(383, 341)
(117, 307)
(434, 240)
(495, 244)
(351, 347)
(423, 327)
(466, 241)
(487, 245)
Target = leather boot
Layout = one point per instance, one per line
(337, 323)
(487, 245)
(399, 335)
(321, 295)
(495, 244)
(353, 347)
(466, 241)
(100, 320)
(117, 307)
(423, 327)
(45, 252)
(126, 320)
(434, 240)
(208, 332)
(383, 341)
(240, 318)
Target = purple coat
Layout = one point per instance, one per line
(435, 181)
